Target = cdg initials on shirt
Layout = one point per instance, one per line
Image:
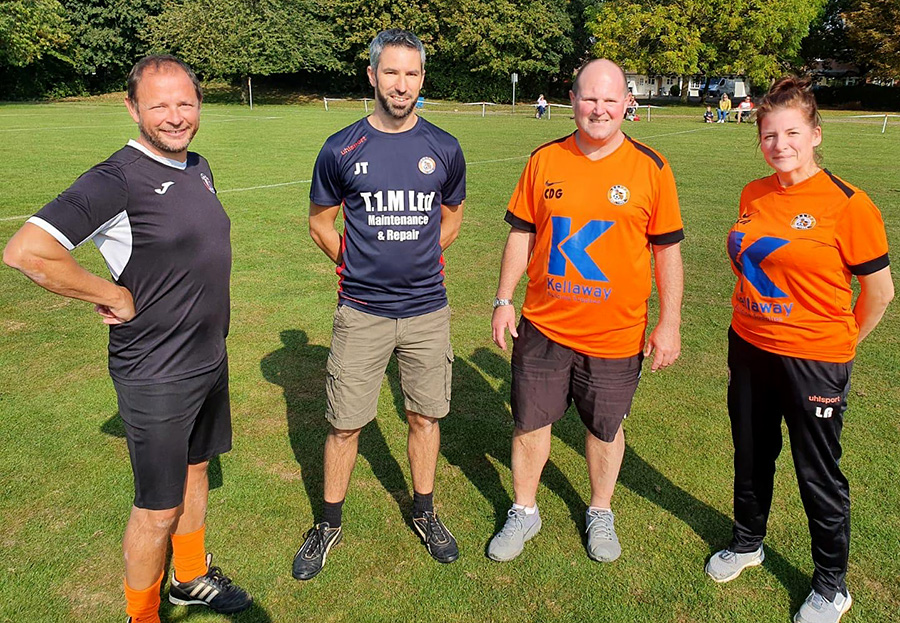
(398, 201)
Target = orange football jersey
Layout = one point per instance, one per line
(794, 250)
(589, 274)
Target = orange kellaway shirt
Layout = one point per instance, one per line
(794, 250)
(594, 221)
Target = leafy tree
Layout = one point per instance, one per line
(874, 34)
(106, 37)
(756, 38)
(473, 45)
(32, 29)
(240, 38)
(761, 39)
(827, 38)
(656, 38)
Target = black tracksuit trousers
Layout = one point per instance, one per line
(812, 397)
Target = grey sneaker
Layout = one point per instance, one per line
(817, 609)
(602, 542)
(509, 542)
(725, 565)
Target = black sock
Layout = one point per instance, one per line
(423, 502)
(331, 513)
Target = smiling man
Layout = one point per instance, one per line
(151, 209)
(587, 214)
(401, 182)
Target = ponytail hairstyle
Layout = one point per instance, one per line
(790, 92)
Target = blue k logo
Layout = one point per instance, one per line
(574, 247)
(748, 262)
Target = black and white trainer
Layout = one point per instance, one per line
(317, 542)
(213, 589)
(439, 541)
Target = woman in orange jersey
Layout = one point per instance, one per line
(801, 235)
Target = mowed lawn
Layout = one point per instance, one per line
(66, 481)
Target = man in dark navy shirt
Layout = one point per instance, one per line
(152, 211)
(401, 183)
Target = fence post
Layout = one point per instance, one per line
(366, 102)
(549, 108)
(884, 125)
(482, 109)
(325, 99)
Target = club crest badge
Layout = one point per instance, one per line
(208, 183)
(426, 165)
(619, 195)
(803, 221)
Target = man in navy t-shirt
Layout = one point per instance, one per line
(401, 184)
(152, 210)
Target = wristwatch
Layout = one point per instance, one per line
(498, 302)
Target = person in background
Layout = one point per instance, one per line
(724, 108)
(708, 116)
(744, 109)
(541, 106)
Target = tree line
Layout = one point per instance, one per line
(52, 48)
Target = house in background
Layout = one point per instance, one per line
(644, 86)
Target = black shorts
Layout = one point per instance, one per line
(547, 377)
(170, 426)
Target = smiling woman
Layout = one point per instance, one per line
(801, 236)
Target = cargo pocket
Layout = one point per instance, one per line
(448, 369)
(333, 386)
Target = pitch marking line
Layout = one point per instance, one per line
(294, 183)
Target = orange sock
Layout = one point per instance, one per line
(189, 555)
(143, 605)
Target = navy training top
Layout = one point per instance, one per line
(392, 186)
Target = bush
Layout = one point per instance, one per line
(674, 91)
(859, 97)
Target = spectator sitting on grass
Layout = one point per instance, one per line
(708, 115)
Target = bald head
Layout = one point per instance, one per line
(599, 69)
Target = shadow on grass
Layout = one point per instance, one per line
(480, 427)
(114, 427)
(253, 614)
(299, 368)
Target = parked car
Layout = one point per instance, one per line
(736, 88)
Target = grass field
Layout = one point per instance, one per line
(66, 480)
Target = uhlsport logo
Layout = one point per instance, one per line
(619, 195)
(208, 183)
(803, 221)
(426, 165)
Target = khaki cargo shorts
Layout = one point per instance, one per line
(361, 346)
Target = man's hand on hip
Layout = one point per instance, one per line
(120, 312)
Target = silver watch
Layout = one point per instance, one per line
(498, 302)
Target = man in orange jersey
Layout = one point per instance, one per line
(588, 211)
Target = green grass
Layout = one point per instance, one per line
(66, 481)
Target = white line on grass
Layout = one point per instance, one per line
(240, 190)
(122, 125)
(294, 183)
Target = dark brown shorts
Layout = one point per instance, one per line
(547, 377)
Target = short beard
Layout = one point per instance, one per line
(393, 112)
(168, 149)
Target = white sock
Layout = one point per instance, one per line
(597, 508)
(529, 510)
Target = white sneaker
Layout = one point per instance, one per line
(725, 565)
(817, 609)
